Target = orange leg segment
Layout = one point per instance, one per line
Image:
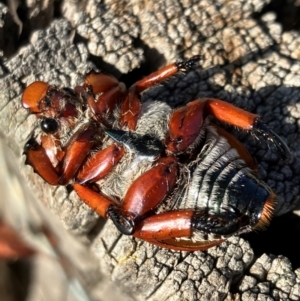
(100, 164)
(37, 157)
(149, 189)
(184, 245)
(94, 200)
(156, 77)
(100, 82)
(172, 230)
(107, 102)
(146, 192)
(164, 73)
(76, 154)
(184, 126)
(236, 144)
(186, 122)
(131, 107)
(52, 148)
(165, 225)
(229, 113)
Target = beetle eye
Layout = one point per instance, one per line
(49, 125)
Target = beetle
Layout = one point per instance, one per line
(168, 176)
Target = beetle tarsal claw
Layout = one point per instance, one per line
(221, 224)
(124, 224)
(188, 64)
(261, 128)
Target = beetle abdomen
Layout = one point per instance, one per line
(222, 186)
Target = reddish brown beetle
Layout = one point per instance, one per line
(169, 177)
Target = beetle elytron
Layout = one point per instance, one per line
(169, 177)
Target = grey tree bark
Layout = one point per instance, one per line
(249, 60)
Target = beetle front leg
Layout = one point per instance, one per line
(75, 155)
(165, 73)
(98, 166)
(131, 106)
(37, 157)
(74, 163)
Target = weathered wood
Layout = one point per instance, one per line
(249, 62)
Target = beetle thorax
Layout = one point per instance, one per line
(153, 121)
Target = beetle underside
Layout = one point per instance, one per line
(169, 177)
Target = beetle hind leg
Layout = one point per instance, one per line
(186, 122)
(261, 128)
(220, 224)
(173, 230)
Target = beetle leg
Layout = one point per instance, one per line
(146, 192)
(261, 128)
(166, 229)
(186, 122)
(100, 82)
(130, 109)
(165, 73)
(108, 101)
(228, 113)
(131, 106)
(184, 126)
(89, 98)
(102, 93)
(37, 157)
(183, 244)
(95, 200)
(222, 223)
(76, 153)
(58, 167)
(100, 164)
(174, 224)
(108, 91)
(165, 225)
(239, 147)
(52, 146)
